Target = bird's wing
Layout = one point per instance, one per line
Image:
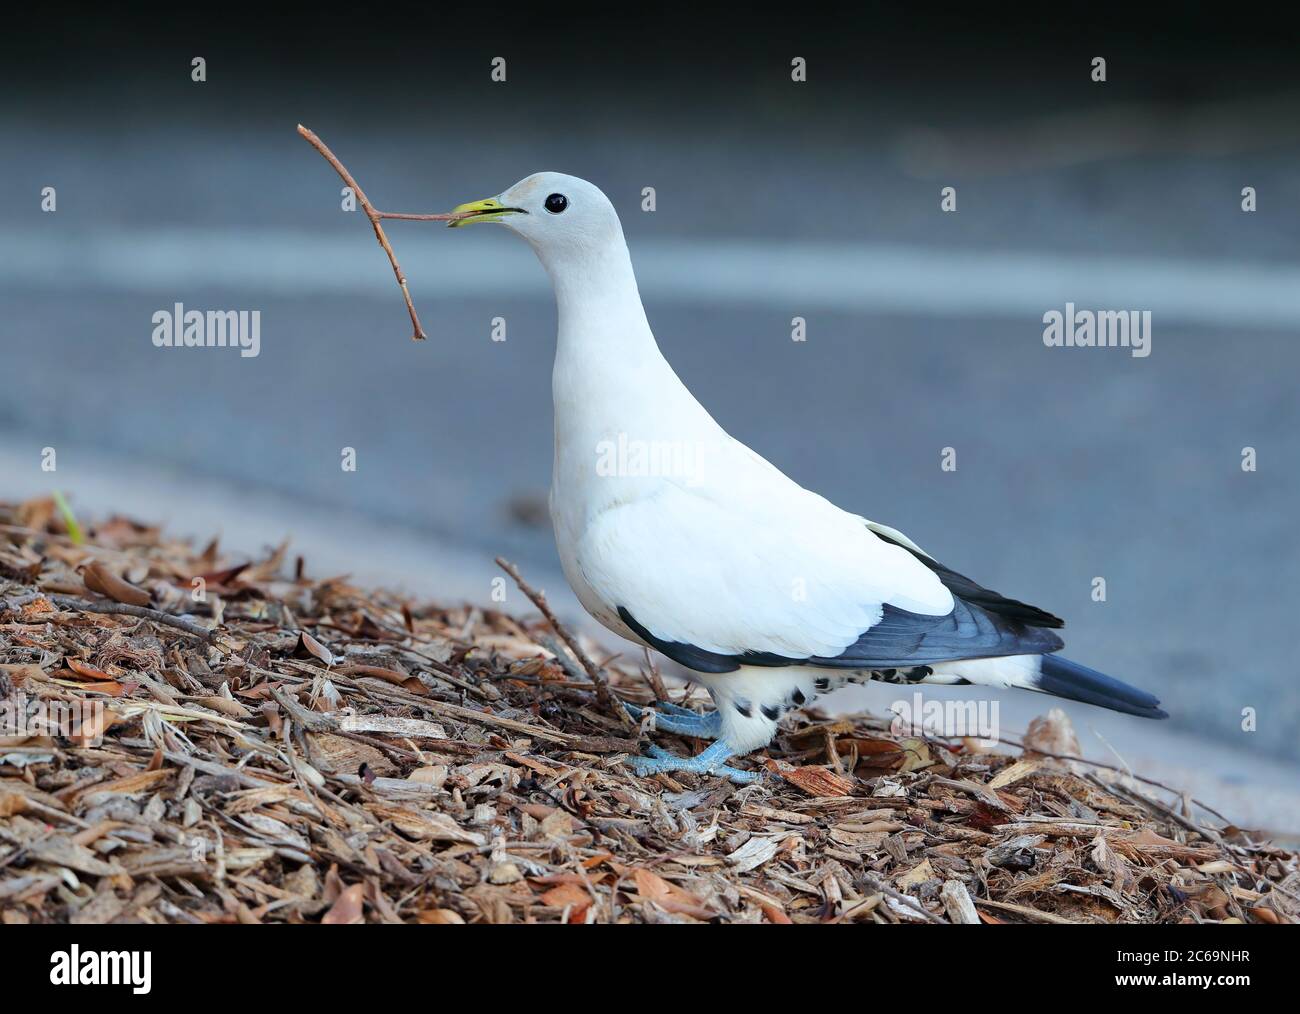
(966, 589)
(749, 568)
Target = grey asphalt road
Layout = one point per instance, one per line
(1071, 464)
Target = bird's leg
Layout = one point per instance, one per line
(679, 721)
(708, 762)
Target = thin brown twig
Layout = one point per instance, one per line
(375, 216)
(441, 216)
(1110, 767)
(607, 700)
(123, 609)
(1142, 799)
(1028, 913)
(652, 677)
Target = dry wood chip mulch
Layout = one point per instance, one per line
(285, 748)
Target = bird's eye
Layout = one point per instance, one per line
(556, 203)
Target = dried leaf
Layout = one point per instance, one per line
(916, 876)
(567, 894)
(99, 578)
(440, 917)
(671, 898)
(347, 910)
(425, 825)
(309, 647)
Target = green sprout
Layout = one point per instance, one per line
(69, 519)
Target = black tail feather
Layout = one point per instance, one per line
(1076, 682)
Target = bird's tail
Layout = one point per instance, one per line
(1063, 678)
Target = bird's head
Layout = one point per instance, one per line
(559, 215)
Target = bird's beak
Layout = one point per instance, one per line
(490, 210)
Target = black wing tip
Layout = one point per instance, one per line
(976, 594)
(1031, 615)
(1064, 678)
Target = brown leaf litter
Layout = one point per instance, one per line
(258, 745)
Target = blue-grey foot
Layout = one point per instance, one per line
(710, 761)
(669, 708)
(678, 721)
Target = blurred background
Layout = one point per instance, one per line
(774, 199)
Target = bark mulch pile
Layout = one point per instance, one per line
(193, 737)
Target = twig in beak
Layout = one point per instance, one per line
(375, 215)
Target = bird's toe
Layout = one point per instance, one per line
(709, 762)
(669, 708)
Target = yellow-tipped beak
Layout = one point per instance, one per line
(490, 210)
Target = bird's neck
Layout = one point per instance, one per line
(604, 342)
(611, 384)
(599, 305)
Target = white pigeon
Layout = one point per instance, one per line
(679, 537)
